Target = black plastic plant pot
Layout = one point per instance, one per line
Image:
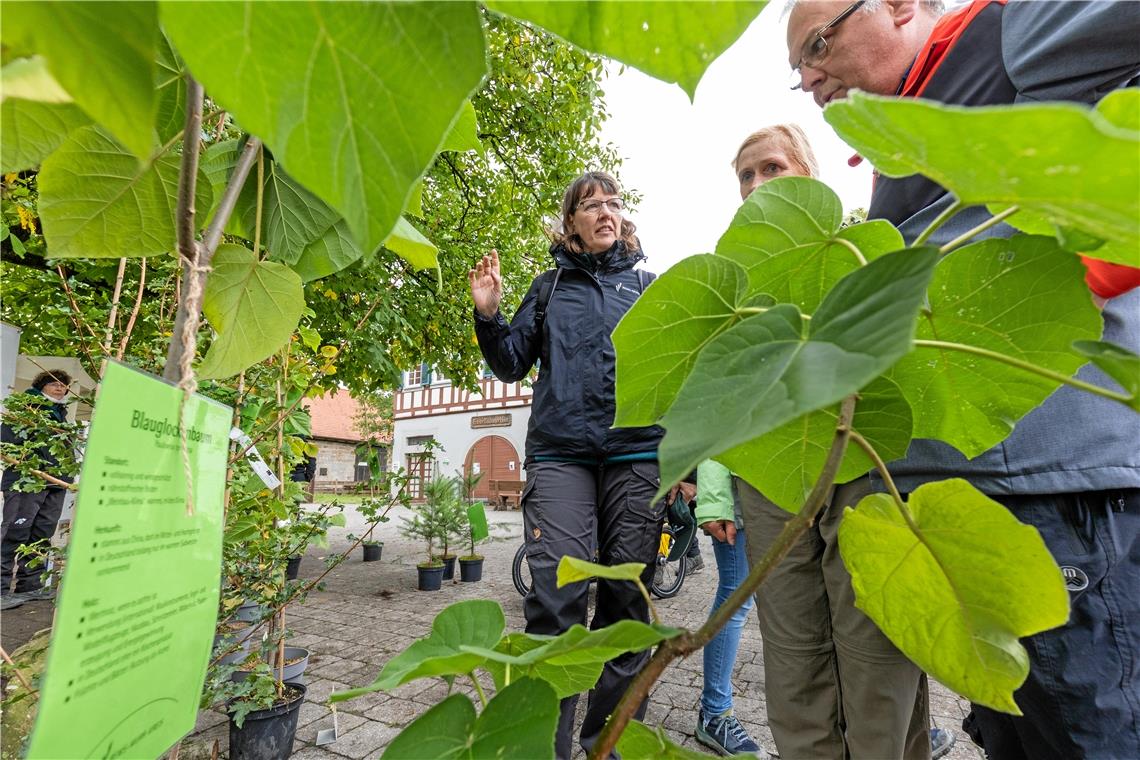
(448, 567)
(372, 552)
(470, 570)
(431, 578)
(292, 568)
(268, 734)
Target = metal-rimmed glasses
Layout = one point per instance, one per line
(817, 46)
(594, 206)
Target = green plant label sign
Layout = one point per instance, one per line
(477, 516)
(139, 595)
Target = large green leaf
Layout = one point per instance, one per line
(574, 570)
(29, 79)
(674, 42)
(519, 721)
(328, 254)
(1117, 362)
(412, 246)
(864, 325)
(566, 679)
(472, 623)
(956, 593)
(464, 133)
(339, 91)
(291, 216)
(98, 201)
(787, 237)
(785, 463)
(104, 56)
(657, 341)
(170, 83)
(36, 114)
(640, 742)
(1069, 164)
(1021, 297)
(253, 306)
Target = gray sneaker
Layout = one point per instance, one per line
(941, 742)
(695, 565)
(724, 735)
(11, 601)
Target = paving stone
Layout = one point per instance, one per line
(364, 741)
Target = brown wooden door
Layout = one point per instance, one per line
(497, 460)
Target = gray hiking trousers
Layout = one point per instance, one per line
(572, 510)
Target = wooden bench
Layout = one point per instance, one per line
(506, 494)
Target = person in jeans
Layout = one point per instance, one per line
(1071, 467)
(589, 486)
(31, 516)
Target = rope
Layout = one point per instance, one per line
(188, 383)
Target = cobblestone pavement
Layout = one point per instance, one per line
(370, 612)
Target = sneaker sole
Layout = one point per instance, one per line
(706, 739)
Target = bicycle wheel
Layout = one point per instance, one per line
(520, 571)
(668, 577)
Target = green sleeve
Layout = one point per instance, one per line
(714, 492)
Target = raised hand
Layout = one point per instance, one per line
(486, 285)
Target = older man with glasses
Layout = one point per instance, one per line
(1071, 468)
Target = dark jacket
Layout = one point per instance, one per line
(58, 413)
(1021, 53)
(573, 407)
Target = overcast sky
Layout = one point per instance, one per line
(678, 154)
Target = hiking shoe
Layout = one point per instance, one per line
(38, 595)
(724, 735)
(695, 564)
(941, 742)
(11, 601)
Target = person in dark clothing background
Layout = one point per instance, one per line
(31, 516)
(1071, 467)
(589, 486)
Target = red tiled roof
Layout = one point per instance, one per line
(334, 417)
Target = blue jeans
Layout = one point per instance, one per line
(720, 653)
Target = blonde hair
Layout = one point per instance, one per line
(792, 139)
(580, 189)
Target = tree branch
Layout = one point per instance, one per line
(110, 331)
(134, 311)
(689, 642)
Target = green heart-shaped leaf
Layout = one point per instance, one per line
(519, 721)
(1027, 300)
(473, 623)
(338, 90)
(574, 570)
(640, 742)
(674, 42)
(788, 238)
(98, 201)
(1069, 164)
(864, 325)
(253, 306)
(955, 592)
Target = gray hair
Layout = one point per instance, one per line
(933, 7)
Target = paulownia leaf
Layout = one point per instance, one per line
(412, 246)
(787, 237)
(519, 721)
(98, 201)
(785, 463)
(337, 90)
(328, 254)
(170, 83)
(472, 623)
(674, 42)
(1071, 165)
(864, 325)
(1027, 300)
(463, 135)
(104, 56)
(1117, 362)
(573, 570)
(565, 679)
(956, 592)
(33, 129)
(640, 742)
(253, 306)
(657, 341)
(29, 79)
(291, 216)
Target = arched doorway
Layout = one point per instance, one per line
(496, 458)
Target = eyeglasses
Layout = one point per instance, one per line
(817, 47)
(615, 205)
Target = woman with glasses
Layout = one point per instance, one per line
(589, 485)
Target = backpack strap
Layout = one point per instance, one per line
(545, 290)
(644, 278)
